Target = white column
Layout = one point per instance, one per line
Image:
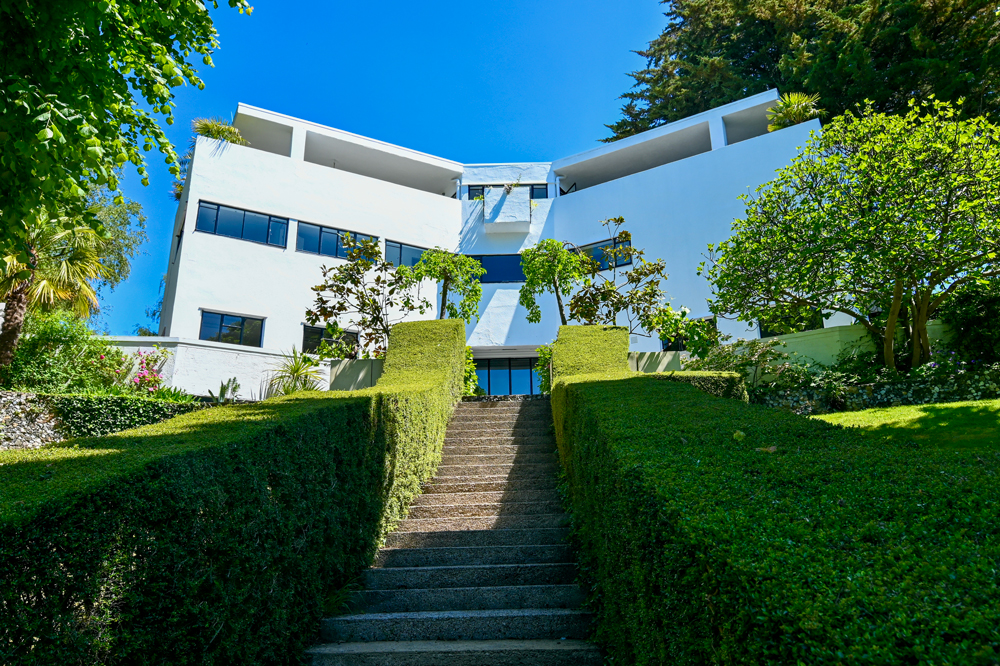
(298, 143)
(717, 130)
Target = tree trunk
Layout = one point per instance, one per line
(919, 338)
(889, 339)
(444, 297)
(555, 288)
(13, 321)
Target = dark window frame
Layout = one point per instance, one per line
(590, 246)
(271, 219)
(544, 186)
(481, 189)
(484, 280)
(306, 328)
(243, 327)
(401, 246)
(332, 230)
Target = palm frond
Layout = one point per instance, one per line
(217, 128)
(792, 109)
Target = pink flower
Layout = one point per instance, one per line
(117, 372)
(102, 355)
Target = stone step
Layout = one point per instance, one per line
(509, 470)
(527, 623)
(478, 538)
(498, 458)
(429, 499)
(468, 556)
(491, 509)
(458, 653)
(538, 440)
(466, 484)
(523, 419)
(495, 429)
(476, 448)
(482, 523)
(487, 575)
(469, 598)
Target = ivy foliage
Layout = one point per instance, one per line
(880, 217)
(713, 52)
(76, 80)
(216, 537)
(711, 531)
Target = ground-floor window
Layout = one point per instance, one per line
(232, 329)
(508, 376)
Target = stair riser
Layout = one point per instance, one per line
(499, 430)
(466, 598)
(477, 538)
(458, 484)
(514, 420)
(500, 575)
(519, 655)
(434, 499)
(518, 458)
(534, 440)
(484, 510)
(481, 523)
(478, 449)
(519, 471)
(456, 629)
(444, 557)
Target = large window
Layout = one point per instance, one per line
(400, 254)
(500, 268)
(540, 191)
(508, 376)
(328, 242)
(243, 224)
(232, 329)
(312, 336)
(596, 252)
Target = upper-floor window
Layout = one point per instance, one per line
(476, 192)
(313, 336)
(244, 224)
(233, 329)
(328, 242)
(596, 252)
(400, 254)
(540, 191)
(500, 268)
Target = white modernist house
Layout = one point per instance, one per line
(256, 224)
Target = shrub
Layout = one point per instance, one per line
(215, 537)
(94, 415)
(973, 314)
(717, 532)
(58, 353)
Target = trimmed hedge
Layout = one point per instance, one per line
(792, 542)
(215, 537)
(721, 384)
(581, 350)
(95, 415)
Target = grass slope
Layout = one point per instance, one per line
(953, 425)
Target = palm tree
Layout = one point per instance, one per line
(212, 128)
(295, 372)
(60, 266)
(792, 109)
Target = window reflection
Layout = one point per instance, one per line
(508, 376)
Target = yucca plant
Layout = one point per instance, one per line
(792, 109)
(296, 372)
(211, 128)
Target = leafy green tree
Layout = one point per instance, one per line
(69, 264)
(881, 217)
(847, 51)
(76, 79)
(549, 267)
(458, 274)
(622, 283)
(369, 293)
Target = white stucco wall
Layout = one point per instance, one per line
(234, 276)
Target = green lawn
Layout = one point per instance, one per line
(953, 425)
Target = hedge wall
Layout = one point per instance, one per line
(717, 532)
(214, 538)
(94, 415)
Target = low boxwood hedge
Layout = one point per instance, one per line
(94, 415)
(214, 537)
(716, 532)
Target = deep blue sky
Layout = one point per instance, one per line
(469, 81)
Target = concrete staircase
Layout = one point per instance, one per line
(478, 574)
